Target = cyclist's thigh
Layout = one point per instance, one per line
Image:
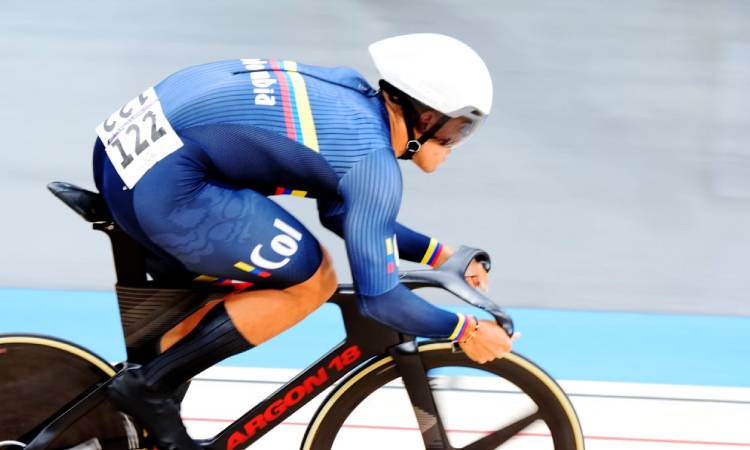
(223, 231)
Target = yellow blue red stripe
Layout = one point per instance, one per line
(460, 329)
(302, 107)
(245, 267)
(390, 255)
(281, 190)
(298, 117)
(433, 252)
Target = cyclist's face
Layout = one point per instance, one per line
(431, 156)
(435, 151)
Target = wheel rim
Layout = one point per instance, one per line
(39, 376)
(401, 421)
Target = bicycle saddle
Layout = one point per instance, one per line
(89, 205)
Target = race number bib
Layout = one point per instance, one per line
(138, 136)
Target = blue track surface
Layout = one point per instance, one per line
(648, 348)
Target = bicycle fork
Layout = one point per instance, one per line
(416, 382)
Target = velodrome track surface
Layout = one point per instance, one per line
(619, 416)
(638, 381)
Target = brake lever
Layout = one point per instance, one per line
(450, 276)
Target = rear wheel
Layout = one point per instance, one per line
(509, 403)
(39, 376)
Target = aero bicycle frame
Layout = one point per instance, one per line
(365, 340)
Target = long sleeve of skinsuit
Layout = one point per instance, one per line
(412, 245)
(371, 191)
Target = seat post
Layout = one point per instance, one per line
(129, 256)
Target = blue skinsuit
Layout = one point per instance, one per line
(255, 128)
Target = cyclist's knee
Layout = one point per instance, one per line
(314, 291)
(328, 282)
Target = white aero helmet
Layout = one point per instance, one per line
(439, 72)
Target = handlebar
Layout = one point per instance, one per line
(450, 276)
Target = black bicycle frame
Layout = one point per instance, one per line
(365, 339)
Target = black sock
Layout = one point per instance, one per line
(214, 339)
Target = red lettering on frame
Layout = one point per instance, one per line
(276, 409)
(315, 380)
(235, 439)
(254, 424)
(295, 395)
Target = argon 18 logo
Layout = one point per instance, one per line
(284, 245)
(287, 399)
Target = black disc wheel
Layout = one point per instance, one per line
(509, 404)
(39, 376)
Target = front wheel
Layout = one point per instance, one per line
(509, 403)
(39, 376)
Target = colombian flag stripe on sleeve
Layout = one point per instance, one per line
(460, 327)
(433, 252)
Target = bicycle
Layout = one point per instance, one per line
(57, 388)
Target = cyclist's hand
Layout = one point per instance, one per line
(490, 342)
(476, 276)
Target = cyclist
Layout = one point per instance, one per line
(186, 169)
